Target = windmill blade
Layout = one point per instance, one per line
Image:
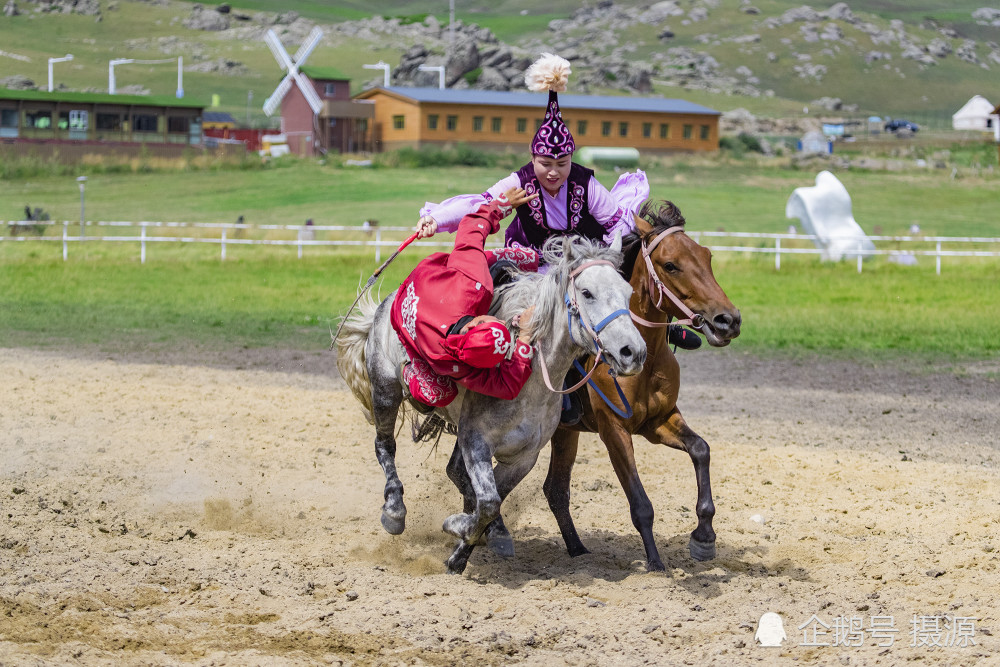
(274, 101)
(278, 49)
(307, 46)
(308, 92)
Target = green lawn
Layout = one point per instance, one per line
(268, 298)
(711, 194)
(265, 296)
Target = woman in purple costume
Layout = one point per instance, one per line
(571, 200)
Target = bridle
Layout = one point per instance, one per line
(656, 286)
(573, 311)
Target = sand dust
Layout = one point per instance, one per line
(162, 513)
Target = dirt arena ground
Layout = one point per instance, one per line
(225, 511)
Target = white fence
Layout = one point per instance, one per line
(230, 234)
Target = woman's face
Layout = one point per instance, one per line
(551, 172)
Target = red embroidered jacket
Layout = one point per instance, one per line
(445, 287)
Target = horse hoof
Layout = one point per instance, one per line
(701, 551)
(456, 565)
(458, 525)
(655, 566)
(392, 525)
(501, 545)
(577, 551)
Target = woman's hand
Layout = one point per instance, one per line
(517, 196)
(426, 227)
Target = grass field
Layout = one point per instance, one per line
(712, 193)
(264, 296)
(268, 298)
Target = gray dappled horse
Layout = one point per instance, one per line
(583, 277)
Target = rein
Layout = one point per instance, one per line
(656, 286)
(573, 309)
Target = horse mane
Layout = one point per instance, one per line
(562, 255)
(661, 215)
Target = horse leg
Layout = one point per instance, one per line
(470, 527)
(459, 476)
(564, 447)
(675, 433)
(619, 444)
(498, 538)
(387, 399)
(507, 476)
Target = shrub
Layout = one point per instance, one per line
(472, 76)
(460, 155)
(409, 19)
(750, 142)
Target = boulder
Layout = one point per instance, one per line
(491, 79)
(803, 13)
(465, 58)
(18, 82)
(203, 19)
(939, 48)
(660, 12)
(840, 12)
(987, 16)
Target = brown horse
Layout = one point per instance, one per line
(681, 285)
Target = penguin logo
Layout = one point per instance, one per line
(770, 630)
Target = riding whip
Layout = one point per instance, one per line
(371, 281)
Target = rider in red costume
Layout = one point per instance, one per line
(439, 314)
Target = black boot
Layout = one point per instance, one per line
(501, 272)
(572, 407)
(683, 338)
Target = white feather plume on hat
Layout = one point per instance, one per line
(550, 72)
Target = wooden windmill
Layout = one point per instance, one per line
(294, 76)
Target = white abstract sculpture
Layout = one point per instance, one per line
(825, 213)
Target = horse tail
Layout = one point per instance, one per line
(350, 345)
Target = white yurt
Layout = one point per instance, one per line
(975, 115)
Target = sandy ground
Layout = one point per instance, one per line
(226, 512)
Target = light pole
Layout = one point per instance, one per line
(81, 180)
(249, 98)
(451, 29)
(112, 86)
(382, 66)
(111, 74)
(67, 57)
(434, 68)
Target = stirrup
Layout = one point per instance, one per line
(683, 338)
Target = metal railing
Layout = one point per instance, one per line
(227, 235)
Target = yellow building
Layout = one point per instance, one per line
(489, 119)
(217, 120)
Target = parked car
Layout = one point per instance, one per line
(900, 124)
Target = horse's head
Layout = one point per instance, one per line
(684, 268)
(588, 274)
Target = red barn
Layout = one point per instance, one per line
(342, 125)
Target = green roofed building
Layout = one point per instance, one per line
(73, 124)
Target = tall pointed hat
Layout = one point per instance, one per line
(553, 138)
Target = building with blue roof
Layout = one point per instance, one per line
(418, 117)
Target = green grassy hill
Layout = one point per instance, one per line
(896, 86)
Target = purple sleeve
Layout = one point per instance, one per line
(450, 212)
(614, 209)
